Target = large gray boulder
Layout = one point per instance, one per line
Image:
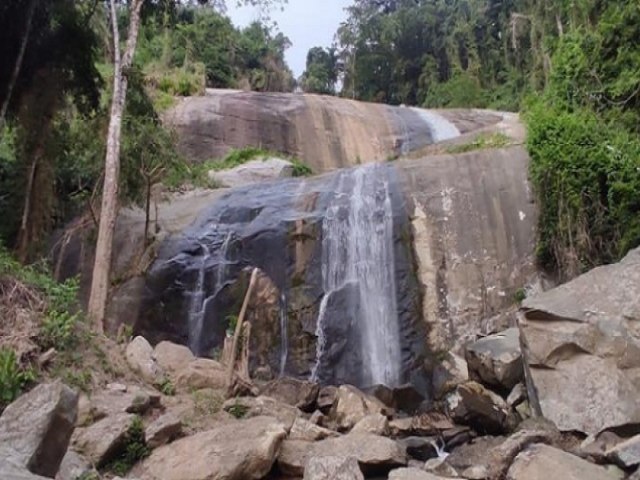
(292, 391)
(103, 440)
(253, 171)
(352, 405)
(496, 360)
(582, 349)
(240, 450)
(139, 355)
(36, 428)
(539, 462)
(333, 468)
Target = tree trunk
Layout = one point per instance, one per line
(109, 210)
(18, 65)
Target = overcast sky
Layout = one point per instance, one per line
(307, 23)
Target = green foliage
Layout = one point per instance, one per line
(238, 410)
(585, 173)
(13, 378)
(134, 450)
(495, 140)
(232, 323)
(520, 295)
(321, 73)
(167, 387)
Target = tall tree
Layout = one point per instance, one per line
(108, 214)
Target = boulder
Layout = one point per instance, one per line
(373, 452)
(297, 393)
(333, 468)
(36, 428)
(407, 398)
(132, 400)
(139, 355)
(473, 453)
(440, 466)
(351, 405)
(432, 423)
(543, 462)
(627, 453)
(382, 393)
(326, 398)
(201, 373)
(450, 371)
(242, 450)
(305, 430)
(499, 458)
(420, 448)
(375, 423)
(171, 357)
(472, 404)
(163, 430)
(496, 360)
(10, 470)
(247, 407)
(582, 349)
(253, 171)
(412, 474)
(74, 466)
(103, 440)
(293, 457)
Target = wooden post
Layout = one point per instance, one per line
(236, 335)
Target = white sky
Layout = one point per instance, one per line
(307, 23)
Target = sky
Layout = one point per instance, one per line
(307, 23)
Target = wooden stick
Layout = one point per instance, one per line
(236, 335)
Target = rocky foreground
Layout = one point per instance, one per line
(553, 398)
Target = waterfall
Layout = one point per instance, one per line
(197, 302)
(357, 248)
(441, 128)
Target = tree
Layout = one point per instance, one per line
(321, 73)
(108, 214)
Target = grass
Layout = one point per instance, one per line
(481, 142)
(198, 175)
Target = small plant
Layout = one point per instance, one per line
(135, 449)
(58, 330)
(238, 410)
(520, 295)
(481, 142)
(232, 323)
(167, 387)
(125, 334)
(300, 169)
(13, 379)
(89, 476)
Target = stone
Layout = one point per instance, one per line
(110, 402)
(420, 448)
(317, 418)
(163, 430)
(332, 468)
(597, 446)
(10, 470)
(540, 462)
(201, 373)
(373, 452)
(103, 440)
(172, 358)
(305, 430)
(472, 404)
(450, 372)
(496, 360)
(582, 349)
(382, 393)
(375, 423)
(473, 453)
(412, 474)
(351, 405)
(626, 454)
(440, 466)
(247, 407)
(499, 458)
(253, 171)
(74, 466)
(242, 450)
(431, 423)
(298, 393)
(407, 398)
(517, 395)
(326, 398)
(36, 428)
(477, 472)
(139, 355)
(293, 457)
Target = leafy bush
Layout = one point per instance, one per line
(167, 387)
(586, 176)
(12, 378)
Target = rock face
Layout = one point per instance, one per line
(543, 462)
(36, 428)
(496, 360)
(254, 171)
(241, 450)
(332, 468)
(583, 349)
(327, 132)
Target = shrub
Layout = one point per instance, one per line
(134, 450)
(13, 379)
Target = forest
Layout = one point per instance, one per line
(572, 67)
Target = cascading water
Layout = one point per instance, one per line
(357, 248)
(284, 339)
